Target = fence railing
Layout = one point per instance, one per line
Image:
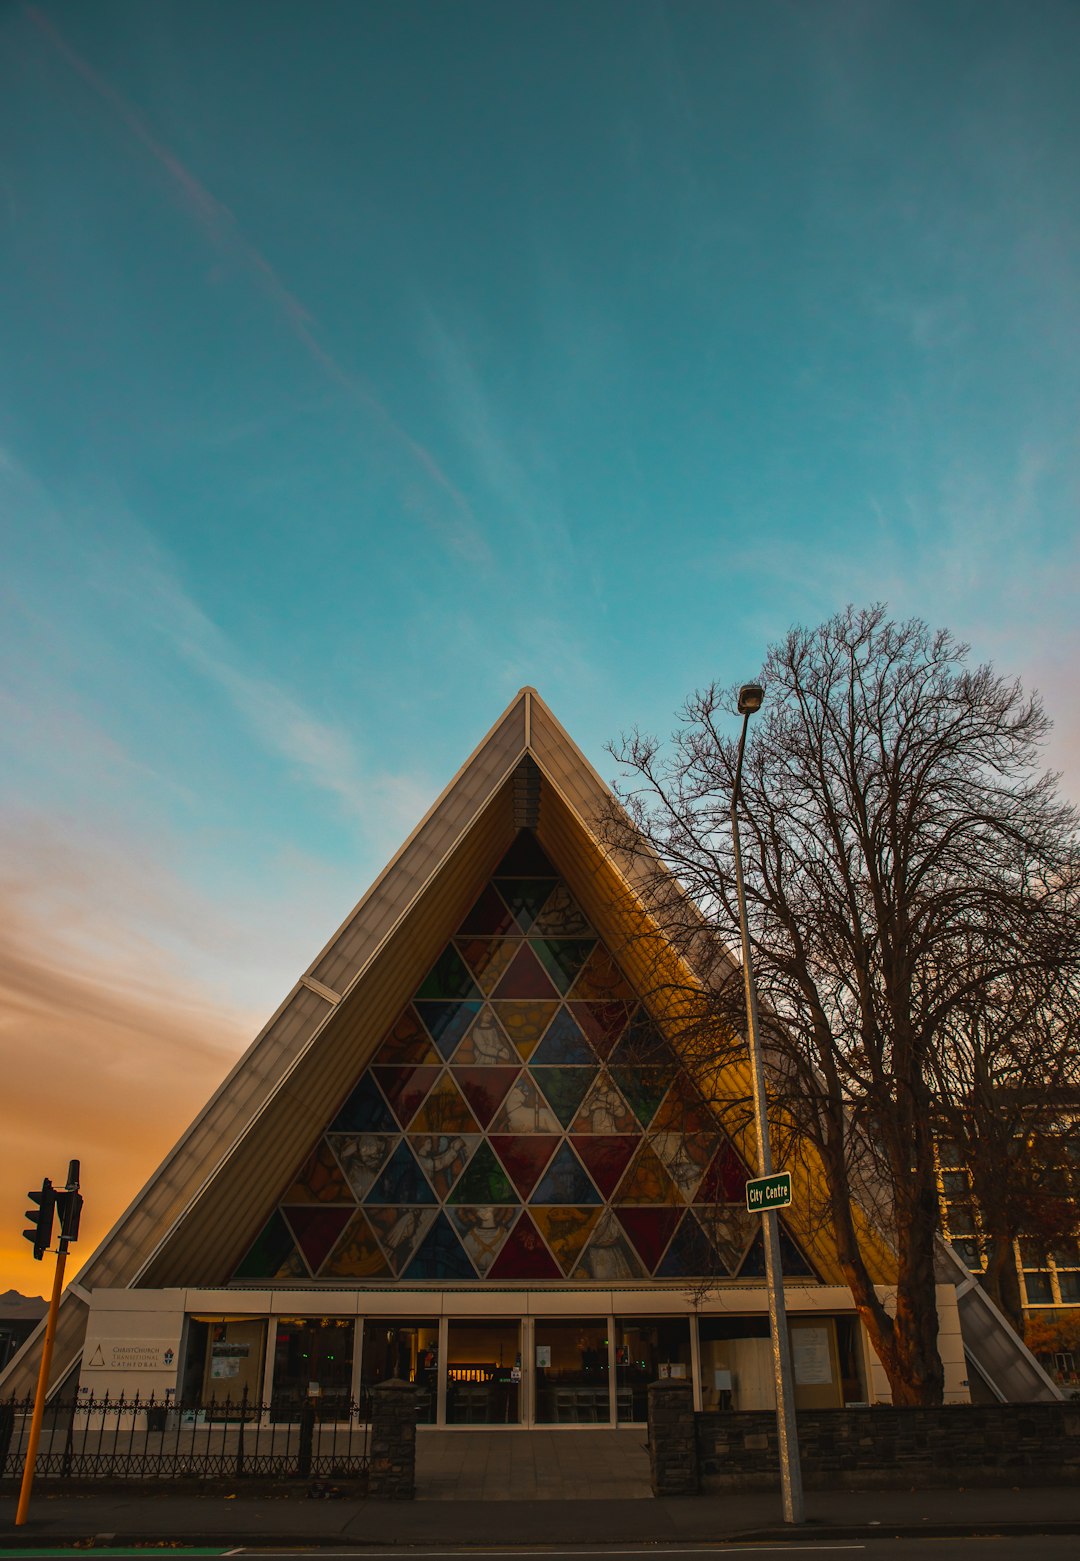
(154, 1438)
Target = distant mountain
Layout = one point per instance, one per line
(13, 1304)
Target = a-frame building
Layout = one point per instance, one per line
(466, 1151)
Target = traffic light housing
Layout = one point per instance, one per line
(69, 1208)
(41, 1217)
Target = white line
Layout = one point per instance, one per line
(362, 1553)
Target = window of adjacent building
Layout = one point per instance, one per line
(571, 1361)
(483, 1373)
(408, 1350)
(647, 1349)
(223, 1361)
(312, 1360)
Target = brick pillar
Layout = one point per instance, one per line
(392, 1468)
(673, 1462)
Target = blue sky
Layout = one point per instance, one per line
(362, 362)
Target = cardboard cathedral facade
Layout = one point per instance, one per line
(465, 1151)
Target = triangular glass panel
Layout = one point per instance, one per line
(525, 1023)
(684, 1111)
(440, 1255)
(524, 1158)
(731, 1230)
(525, 859)
(484, 1088)
(525, 1110)
(489, 917)
(361, 1156)
(401, 1181)
(603, 1023)
(488, 958)
(320, 1179)
(406, 1089)
(444, 1111)
(642, 1044)
(486, 1044)
(485, 1181)
(691, 1253)
(644, 1088)
(685, 1157)
(399, 1231)
(365, 1111)
(273, 1254)
(525, 897)
(446, 1023)
(448, 979)
(725, 1180)
(316, 1230)
(566, 1231)
(357, 1255)
(562, 958)
(566, 1181)
(524, 1255)
(564, 1089)
(646, 1181)
(604, 1111)
(407, 1042)
(564, 1045)
(443, 1157)
(650, 1230)
(605, 1159)
(483, 1229)
(525, 978)
(561, 917)
(599, 980)
(610, 1255)
(792, 1261)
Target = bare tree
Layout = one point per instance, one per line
(888, 791)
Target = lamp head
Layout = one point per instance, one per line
(751, 697)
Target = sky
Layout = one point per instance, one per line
(361, 363)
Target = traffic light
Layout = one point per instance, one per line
(68, 1208)
(42, 1218)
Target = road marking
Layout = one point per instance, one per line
(799, 1547)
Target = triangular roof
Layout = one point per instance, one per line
(196, 1215)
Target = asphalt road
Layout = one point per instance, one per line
(1045, 1547)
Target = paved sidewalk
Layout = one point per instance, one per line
(261, 1518)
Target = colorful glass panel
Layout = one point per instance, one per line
(406, 1089)
(644, 1088)
(443, 1157)
(564, 1044)
(489, 917)
(486, 1043)
(401, 1181)
(725, 1180)
(650, 1230)
(525, 897)
(566, 1230)
(603, 1023)
(525, 1023)
(524, 1158)
(365, 1111)
(600, 980)
(566, 1181)
(604, 1111)
(524, 1255)
(488, 959)
(562, 958)
(564, 1089)
(444, 1111)
(646, 1181)
(731, 1230)
(399, 1231)
(792, 1260)
(273, 1254)
(361, 1156)
(320, 1179)
(440, 1255)
(609, 1255)
(448, 978)
(525, 1110)
(316, 1230)
(690, 1252)
(446, 1023)
(485, 1181)
(408, 1041)
(605, 1159)
(357, 1255)
(525, 977)
(525, 859)
(561, 917)
(483, 1229)
(484, 1088)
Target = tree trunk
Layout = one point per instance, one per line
(1002, 1282)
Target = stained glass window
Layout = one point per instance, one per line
(524, 1119)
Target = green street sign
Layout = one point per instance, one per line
(769, 1192)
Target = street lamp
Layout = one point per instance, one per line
(750, 700)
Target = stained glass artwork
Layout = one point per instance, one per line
(604, 1111)
(446, 1023)
(525, 1023)
(443, 1157)
(489, 917)
(406, 1088)
(358, 1254)
(408, 1041)
(564, 1089)
(485, 1181)
(448, 978)
(523, 1120)
(488, 958)
(486, 1044)
(650, 1230)
(605, 1159)
(444, 1111)
(401, 1181)
(524, 1254)
(566, 1230)
(483, 1228)
(602, 1023)
(561, 917)
(484, 1088)
(564, 1044)
(440, 1255)
(792, 1261)
(316, 1230)
(364, 1111)
(525, 977)
(399, 1232)
(320, 1179)
(525, 897)
(562, 958)
(566, 1181)
(361, 1156)
(525, 1159)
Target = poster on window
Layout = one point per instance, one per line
(810, 1349)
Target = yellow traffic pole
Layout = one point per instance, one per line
(42, 1387)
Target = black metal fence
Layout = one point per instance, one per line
(153, 1438)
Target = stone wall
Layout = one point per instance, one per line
(673, 1459)
(392, 1467)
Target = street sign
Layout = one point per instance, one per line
(769, 1192)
